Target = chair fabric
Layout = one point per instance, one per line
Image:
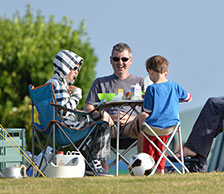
(43, 98)
(147, 129)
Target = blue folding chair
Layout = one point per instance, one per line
(50, 123)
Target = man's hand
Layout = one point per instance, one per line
(124, 119)
(96, 115)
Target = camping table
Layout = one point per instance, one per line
(119, 104)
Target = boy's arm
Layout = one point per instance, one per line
(187, 99)
(184, 96)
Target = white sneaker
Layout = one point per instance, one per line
(99, 169)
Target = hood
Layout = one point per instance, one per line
(65, 61)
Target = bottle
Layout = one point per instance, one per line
(137, 92)
(120, 94)
(147, 82)
(60, 161)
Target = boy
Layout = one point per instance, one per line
(161, 102)
(66, 68)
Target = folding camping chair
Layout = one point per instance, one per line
(148, 130)
(125, 143)
(43, 98)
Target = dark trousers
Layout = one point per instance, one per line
(207, 126)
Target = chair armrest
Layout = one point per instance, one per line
(98, 108)
(82, 112)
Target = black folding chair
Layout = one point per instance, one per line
(126, 144)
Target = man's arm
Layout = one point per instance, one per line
(88, 107)
(95, 114)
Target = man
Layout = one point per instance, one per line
(121, 59)
(207, 126)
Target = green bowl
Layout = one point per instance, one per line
(107, 96)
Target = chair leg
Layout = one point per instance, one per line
(32, 139)
(74, 146)
(181, 148)
(167, 149)
(122, 154)
(121, 157)
(87, 136)
(162, 155)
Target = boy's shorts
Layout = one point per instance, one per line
(151, 150)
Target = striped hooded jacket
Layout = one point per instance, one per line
(63, 63)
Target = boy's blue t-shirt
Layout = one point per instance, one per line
(162, 102)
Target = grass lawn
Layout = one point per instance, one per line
(170, 183)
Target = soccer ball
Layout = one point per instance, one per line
(141, 165)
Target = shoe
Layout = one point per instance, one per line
(98, 168)
(186, 159)
(199, 166)
(194, 164)
(193, 167)
(102, 172)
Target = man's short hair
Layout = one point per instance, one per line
(157, 63)
(120, 47)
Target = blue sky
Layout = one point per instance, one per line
(188, 33)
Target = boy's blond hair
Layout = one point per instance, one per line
(157, 63)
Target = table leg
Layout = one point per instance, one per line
(118, 137)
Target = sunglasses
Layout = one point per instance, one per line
(116, 59)
(76, 68)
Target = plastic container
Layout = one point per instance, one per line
(60, 158)
(9, 156)
(70, 155)
(74, 166)
(136, 92)
(119, 95)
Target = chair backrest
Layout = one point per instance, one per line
(41, 97)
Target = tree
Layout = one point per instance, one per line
(28, 46)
